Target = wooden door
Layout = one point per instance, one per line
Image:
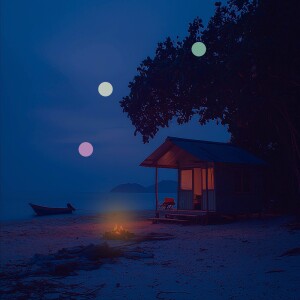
(185, 192)
(208, 196)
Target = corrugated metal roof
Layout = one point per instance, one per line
(205, 151)
(215, 151)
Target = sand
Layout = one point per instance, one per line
(240, 260)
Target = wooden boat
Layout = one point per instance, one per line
(44, 211)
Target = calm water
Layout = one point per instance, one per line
(15, 205)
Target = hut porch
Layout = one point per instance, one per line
(213, 178)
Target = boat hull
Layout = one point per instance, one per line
(44, 211)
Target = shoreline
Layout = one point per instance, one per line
(240, 260)
(48, 233)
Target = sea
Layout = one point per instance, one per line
(15, 206)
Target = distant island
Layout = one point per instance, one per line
(164, 186)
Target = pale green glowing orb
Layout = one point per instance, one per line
(105, 89)
(198, 49)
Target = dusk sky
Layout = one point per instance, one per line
(54, 54)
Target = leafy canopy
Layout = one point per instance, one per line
(248, 80)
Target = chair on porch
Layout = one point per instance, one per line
(198, 202)
(168, 203)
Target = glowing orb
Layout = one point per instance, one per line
(198, 49)
(105, 89)
(85, 149)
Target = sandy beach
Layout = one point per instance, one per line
(240, 260)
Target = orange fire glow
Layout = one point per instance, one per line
(118, 229)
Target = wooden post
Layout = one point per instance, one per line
(206, 192)
(156, 193)
(178, 187)
(193, 188)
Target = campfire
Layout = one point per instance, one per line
(118, 233)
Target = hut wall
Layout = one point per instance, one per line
(185, 200)
(239, 188)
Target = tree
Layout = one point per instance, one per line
(247, 80)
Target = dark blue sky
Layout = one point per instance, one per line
(54, 54)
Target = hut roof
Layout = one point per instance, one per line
(176, 149)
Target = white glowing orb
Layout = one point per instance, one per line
(105, 89)
(198, 49)
(85, 149)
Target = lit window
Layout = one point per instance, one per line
(210, 178)
(186, 180)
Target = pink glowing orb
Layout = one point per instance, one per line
(85, 149)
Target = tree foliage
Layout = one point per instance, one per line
(248, 80)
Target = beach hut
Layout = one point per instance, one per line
(212, 176)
